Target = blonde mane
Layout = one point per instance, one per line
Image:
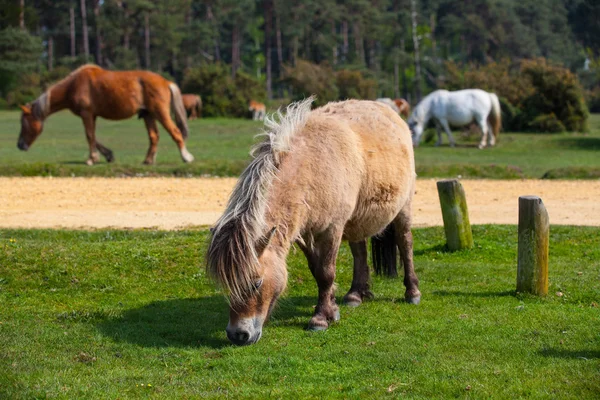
(232, 258)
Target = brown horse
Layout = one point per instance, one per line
(344, 171)
(403, 107)
(92, 92)
(258, 109)
(193, 105)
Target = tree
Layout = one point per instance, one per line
(19, 53)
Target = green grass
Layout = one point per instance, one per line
(221, 148)
(106, 314)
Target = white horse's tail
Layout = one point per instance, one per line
(495, 117)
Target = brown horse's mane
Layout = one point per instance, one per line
(40, 107)
(232, 258)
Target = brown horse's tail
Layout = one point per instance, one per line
(179, 109)
(199, 106)
(384, 252)
(495, 117)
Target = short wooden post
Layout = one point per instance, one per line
(455, 214)
(534, 242)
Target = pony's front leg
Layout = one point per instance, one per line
(326, 310)
(153, 136)
(484, 133)
(438, 129)
(89, 124)
(359, 290)
(446, 127)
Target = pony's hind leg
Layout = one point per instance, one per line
(153, 136)
(105, 151)
(165, 119)
(404, 240)
(360, 281)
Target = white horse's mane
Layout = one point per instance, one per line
(232, 258)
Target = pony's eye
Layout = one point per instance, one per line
(258, 284)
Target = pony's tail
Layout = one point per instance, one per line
(495, 117)
(179, 109)
(384, 252)
(198, 106)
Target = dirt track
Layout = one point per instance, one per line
(170, 203)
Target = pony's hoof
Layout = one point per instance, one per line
(317, 324)
(336, 315)
(352, 300)
(187, 156)
(90, 162)
(110, 158)
(148, 162)
(413, 300)
(481, 146)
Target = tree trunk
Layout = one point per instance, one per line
(98, 34)
(397, 74)
(334, 50)
(415, 37)
(22, 14)
(345, 43)
(147, 38)
(72, 30)
(84, 28)
(268, 28)
(235, 50)
(50, 53)
(279, 45)
(211, 17)
(358, 44)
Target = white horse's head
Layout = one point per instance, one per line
(415, 123)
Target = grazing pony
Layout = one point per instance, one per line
(403, 107)
(344, 171)
(458, 108)
(92, 92)
(259, 110)
(400, 106)
(193, 105)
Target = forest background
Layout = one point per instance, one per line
(541, 56)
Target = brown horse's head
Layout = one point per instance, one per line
(253, 290)
(31, 127)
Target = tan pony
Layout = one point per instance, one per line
(193, 105)
(344, 171)
(92, 92)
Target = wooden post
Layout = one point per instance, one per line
(534, 239)
(455, 214)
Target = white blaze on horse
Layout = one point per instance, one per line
(344, 171)
(458, 108)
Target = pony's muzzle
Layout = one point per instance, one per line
(244, 332)
(22, 145)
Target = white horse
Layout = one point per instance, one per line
(458, 108)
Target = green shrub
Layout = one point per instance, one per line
(25, 91)
(353, 85)
(221, 94)
(592, 98)
(534, 94)
(19, 54)
(307, 79)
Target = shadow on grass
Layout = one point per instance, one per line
(580, 354)
(193, 322)
(585, 143)
(172, 323)
(438, 248)
(473, 294)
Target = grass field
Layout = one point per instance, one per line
(130, 314)
(221, 148)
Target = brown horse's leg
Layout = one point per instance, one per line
(89, 123)
(167, 122)
(105, 151)
(153, 136)
(405, 245)
(360, 281)
(193, 113)
(324, 273)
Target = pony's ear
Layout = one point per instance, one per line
(26, 109)
(263, 242)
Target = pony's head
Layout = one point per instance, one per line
(416, 128)
(32, 124)
(253, 286)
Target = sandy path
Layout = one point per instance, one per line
(171, 203)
